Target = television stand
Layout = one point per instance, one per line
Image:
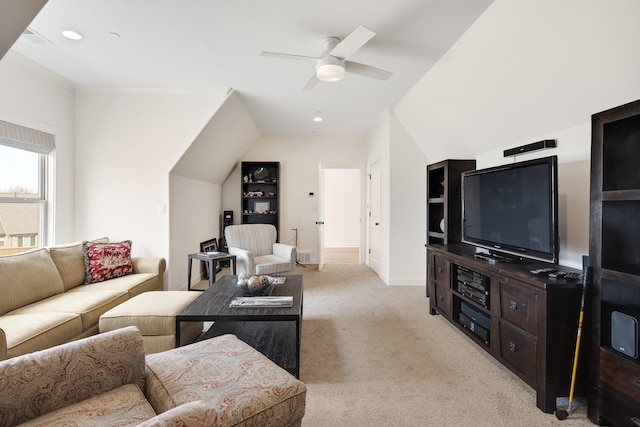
(524, 321)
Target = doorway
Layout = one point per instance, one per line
(342, 203)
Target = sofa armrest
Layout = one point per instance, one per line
(195, 413)
(3, 345)
(150, 265)
(244, 260)
(285, 251)
(37, 383)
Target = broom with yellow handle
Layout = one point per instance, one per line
(563, 414)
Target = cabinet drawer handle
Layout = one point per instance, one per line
(513, 305)
(439, 269)
(635, 420)
(441, 297)
(512, 347)
(636, 383)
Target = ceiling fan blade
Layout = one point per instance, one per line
(367, 70)
(352, 42)
(311, 83)
(288, 56)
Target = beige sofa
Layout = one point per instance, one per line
(107, 380)
(43, 301)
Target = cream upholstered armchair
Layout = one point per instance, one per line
(257, 252)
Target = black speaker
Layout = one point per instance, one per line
(227, 218)
(540, 145)
(624, 334)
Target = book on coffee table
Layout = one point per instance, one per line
(261, 302)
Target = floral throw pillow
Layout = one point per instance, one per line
(104, 261)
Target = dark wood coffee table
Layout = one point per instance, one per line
(274, 331)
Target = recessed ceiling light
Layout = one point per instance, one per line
(318, 117)
(72, 35)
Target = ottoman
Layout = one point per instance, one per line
(154, 313)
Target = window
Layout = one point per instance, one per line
(23, 196)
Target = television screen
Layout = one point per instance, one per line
(513, 209)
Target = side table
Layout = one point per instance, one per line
(211, 258)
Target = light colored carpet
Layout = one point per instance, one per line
(373, 356)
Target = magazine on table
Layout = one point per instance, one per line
(261, 302)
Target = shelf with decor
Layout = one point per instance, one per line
(444, 200)
(260, 193)
(614, 254)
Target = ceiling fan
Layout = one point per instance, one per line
(333, 63)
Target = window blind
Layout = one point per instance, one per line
(25, 138)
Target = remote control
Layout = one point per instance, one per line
(542, 270)
(556, 275)
(572, 276)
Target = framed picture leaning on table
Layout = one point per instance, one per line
(210, 245)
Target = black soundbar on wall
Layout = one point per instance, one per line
(540, 145)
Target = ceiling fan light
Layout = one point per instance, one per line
(330, 70)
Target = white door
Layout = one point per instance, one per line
(320, 221)
(374, 217)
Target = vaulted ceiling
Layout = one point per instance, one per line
(205, 44)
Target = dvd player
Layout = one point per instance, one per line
(473, 285)
(472, 293)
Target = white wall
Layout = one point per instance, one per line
(523, 69)
(407, 190)
(299, 158)
(530, 70)
(34, 97)
(127, 142)
(194, 216)
(342, 208)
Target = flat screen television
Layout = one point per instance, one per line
(512, 210)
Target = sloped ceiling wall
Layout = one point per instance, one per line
(14, 19)
(224, 140)
(526, 68)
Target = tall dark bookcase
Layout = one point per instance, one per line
(614, 255)
(444, 202)
(260, 193)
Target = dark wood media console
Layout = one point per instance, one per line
(532, 320)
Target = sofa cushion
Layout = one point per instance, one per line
(69, 373)
(242, 385)
(133, 284)
(27, 277)
(123, 406)
(69, 260)
(27, 333)
(88, 305)
(104, 261)
(153, 313)
(192, 414)
(271, 264)
(257, 238)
